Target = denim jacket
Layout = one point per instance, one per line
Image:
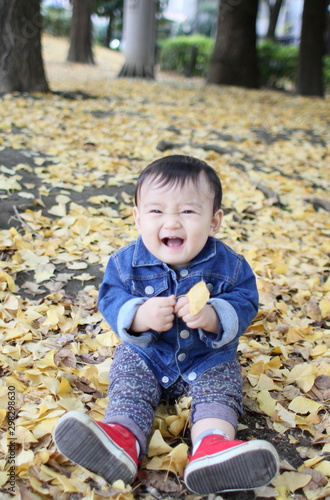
(133, 275)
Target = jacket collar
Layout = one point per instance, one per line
(142, 257)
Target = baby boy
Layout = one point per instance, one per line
(167, 350)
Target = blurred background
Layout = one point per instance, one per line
(186, 33)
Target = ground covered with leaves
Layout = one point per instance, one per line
(68, 163)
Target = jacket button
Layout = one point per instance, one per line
(165, 380)
(184, 272)
(182, 356)
(209, 286)
(184, 334)
(192, 376)
(149, 290)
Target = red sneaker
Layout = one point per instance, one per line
(222, 465)
(106, 449)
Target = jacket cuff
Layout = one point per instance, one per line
(228, 325)
(125, 320)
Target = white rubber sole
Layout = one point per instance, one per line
(85, 443)
(245, 467)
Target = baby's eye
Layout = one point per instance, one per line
(188, 212)
(155, 211)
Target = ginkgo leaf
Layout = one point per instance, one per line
(9, 280)
(10, 302)
(324, 306)
(157, 445)
(103, 199)
(44, 273)
(3, 414)
(303, 375)
(323, 467)
(174, 462)
(198, 296)
(284, 416)
(3, 477)
(78, 265)
(84, 277)
(58, 210)
(25, 456)
(292, 480)
(266, 403)
(176, 423)
(304, 405)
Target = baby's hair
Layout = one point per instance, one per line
(178, 169)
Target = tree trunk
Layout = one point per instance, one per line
(327, 31)
(21, 63)
(108, 36)
(312, 47)
(81, 33)
(234, 60)
(274, 11)
(139, 38)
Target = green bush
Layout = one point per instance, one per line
(175, 54)
(56, 21)
(326, 72)
(277, 63)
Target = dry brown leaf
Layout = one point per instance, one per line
(66, 357)
(163, 483)
(322, 382)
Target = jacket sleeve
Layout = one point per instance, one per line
(118, 306)
(236, 307)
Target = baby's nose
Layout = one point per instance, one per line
(172, 220)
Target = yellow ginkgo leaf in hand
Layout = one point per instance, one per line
(198, 295)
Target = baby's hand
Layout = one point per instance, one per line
(156, 314)
(206, 319)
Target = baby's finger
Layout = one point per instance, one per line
(182, 301)
(184, 311)
(167, 312)
(167, 325)
(168, 301)
(192, 323)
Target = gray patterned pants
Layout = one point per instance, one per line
(134, 394)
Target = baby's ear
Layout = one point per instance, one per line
(216, 222)
(136, 215)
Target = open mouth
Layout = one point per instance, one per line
(172, 242)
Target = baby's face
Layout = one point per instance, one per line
(176, 222)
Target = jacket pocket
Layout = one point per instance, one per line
(151, 287)
(215, 284)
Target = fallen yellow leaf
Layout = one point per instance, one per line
(292, 480)
(174, 462)
(198, 296)
(303, 375)
(266, 403)
(303, 405)
(323, 467)
(324, 306)
(157, 445)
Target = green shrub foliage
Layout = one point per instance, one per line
(277, 62)
(56, 21)
(176, 53)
